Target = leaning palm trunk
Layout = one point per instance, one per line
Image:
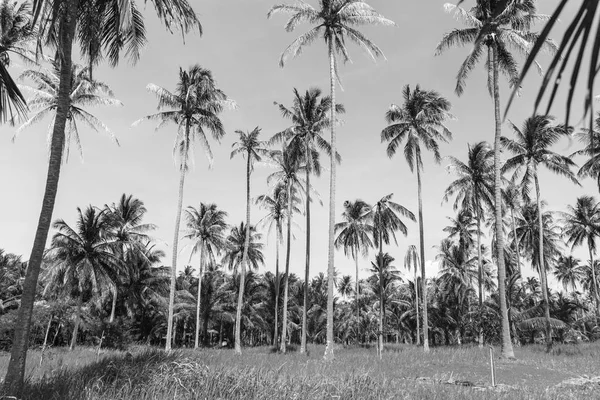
(479, 270)
(13, 382)
(330, 267)
(422, 251)
(306, 271)
(595, 282)
(198, 302)
(507, 349)
(287, 271)
(46, 338)
(275, 334)
(542, 266)
(170, 334)
(113, 307)
(240, 303)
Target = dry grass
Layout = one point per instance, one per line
(404, 373)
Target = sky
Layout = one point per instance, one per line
(241, 47)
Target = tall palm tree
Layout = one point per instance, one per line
(206, 231)
(582, 223)
(122, 30)
(354, 235)
(85, 92)
(420, 121)
(386, 222)
(276, 204)
(494, 27)
(335, 21)
(194, 106)
(411, 261)
(16, 33)
(568, 272)
(474, 190)
(310, 116)
(251, 148)
(591, 139)
(531, 150)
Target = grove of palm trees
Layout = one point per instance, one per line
(312, 199)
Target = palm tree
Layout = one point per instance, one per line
(82, 261)
(16, 33)
(591, 139)
(354, 235)
(335, 20)
(386, 222)
(194, 106)
(531, 150)
(276, 205)
(251, 148)
(385, 276)
(206, 230)
(420, 121)
(582, 223)
(494, 28)
(463, 227)
(513, 199)
(310, 116)
(474, 189)
(344, 286)
(85, 93)
(568, 272)
(122, 30)
(411, 261)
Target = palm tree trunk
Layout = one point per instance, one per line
(275, 335)
(13, 382)
(355, 255)
(595, 283)
(287, 270)
(542, 265)
(199, 300)
(507, 349)
(480, 269)
(514, 229)
(46, 338)
(381, 311)
(175, 243)
(330, 256)
(422, 251)
(306, 271)
(240, 303)
(417, 305)
(113, 306)
(76, 327)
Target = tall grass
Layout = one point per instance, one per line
(405, 373)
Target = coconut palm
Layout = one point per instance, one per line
(464, 228)
(582, 223)
(205, 229)
(513, 200)
(568, 272)
(251, 148)
(193, 107)
(494, 28)
(386, 222)
(591, 139)
(411, 261)
(335, 21)
(344, 286)
(531, 151)
(418, 122)
(474, 191)
(354, 235)
(16, 33)
(385, 276)
(122, 29)
(310, 116)
(85, 93)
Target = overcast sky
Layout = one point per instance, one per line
(242, 49)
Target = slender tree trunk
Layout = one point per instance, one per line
(113, 306)
(175, 244)
(46, 338)
(275, 335)
(381, 310)
(595, 283)
(287, 270)
(199, 300)
(507, 349)
(355, 255)
(422, 251)
(330, 257)
(514, 229)
(542, 265)
(76, 327)
(417, 305)
(480, 269)
(238, 314)
(13, 382)
(306, 271)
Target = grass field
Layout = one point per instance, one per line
(356, 373)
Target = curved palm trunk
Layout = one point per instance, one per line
(240, 303)
(306, 271)
(422, 251)
(507, 349)
(287, 271)
(170, 333)
(199, 301)
(275, 334)
(417, 305)
(480, 269)
(13, 382)
(542, 265)
(330, 256)
(595, 283)
(113, 306)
